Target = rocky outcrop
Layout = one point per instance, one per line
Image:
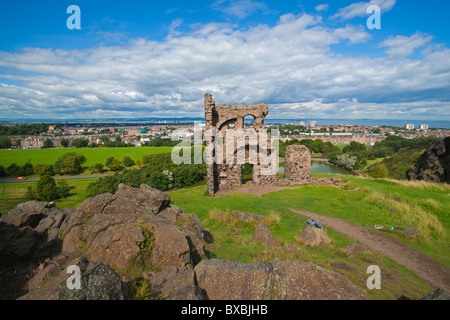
(275, 280)
(134, 226)
(117, 228)
(434, 164)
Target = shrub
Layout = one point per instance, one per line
(70, 163)
(345, 161)
(46, 188)
(42, 169)
(128, 162)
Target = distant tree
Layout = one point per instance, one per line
(70, 163)
(139, 163)
(5, 142)
(346, 161)
(109, 161)
(27, 169)
(115, 165)
(354, 147)
(63, 189)
(2, 171)
(80, 143)
(48, 144)
(378, 170)
(96, 168)
(47, 189)
(14, 170)
(128, 162)
(65, 143)
(42, 169)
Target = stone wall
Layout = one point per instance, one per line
(223, 117)
(297, 164)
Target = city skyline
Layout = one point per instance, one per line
(306, 59)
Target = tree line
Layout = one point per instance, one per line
(158, 171)
(398, 153)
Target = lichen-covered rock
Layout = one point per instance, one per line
(116, 246)
(275, 280)
(226, 280)
(27, 214)
(263, 235)
(313, 236)
(173, 283)
(354, 248)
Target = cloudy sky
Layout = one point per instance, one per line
(307, 59)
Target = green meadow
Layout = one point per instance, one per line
(93, 155)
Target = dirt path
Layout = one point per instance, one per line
(255, 190)
(425, 267)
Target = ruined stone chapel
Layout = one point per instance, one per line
(257, 146)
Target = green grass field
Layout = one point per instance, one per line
(93, 155)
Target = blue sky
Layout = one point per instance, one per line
(306, 59)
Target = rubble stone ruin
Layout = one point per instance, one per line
(297, 167)
(225, 174)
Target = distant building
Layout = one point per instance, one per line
(312, 124)
(302, 123)
(409, 127)
(423, 127)
(144, 130)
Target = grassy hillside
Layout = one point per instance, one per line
(421, 205)
(93, 155)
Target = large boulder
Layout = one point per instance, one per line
(173, 283)
(117, 246)
(275, 280)
(98, 282)
(226, 280)
(126, 200)
(263, 235)
(354, 248)
(27, 214)
(314, 236)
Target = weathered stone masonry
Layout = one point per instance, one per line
(222, 176)
(297, 164)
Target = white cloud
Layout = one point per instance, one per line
(401, 46)
(239, 8)
(290, 66)
(322, 7)
(359, 9)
